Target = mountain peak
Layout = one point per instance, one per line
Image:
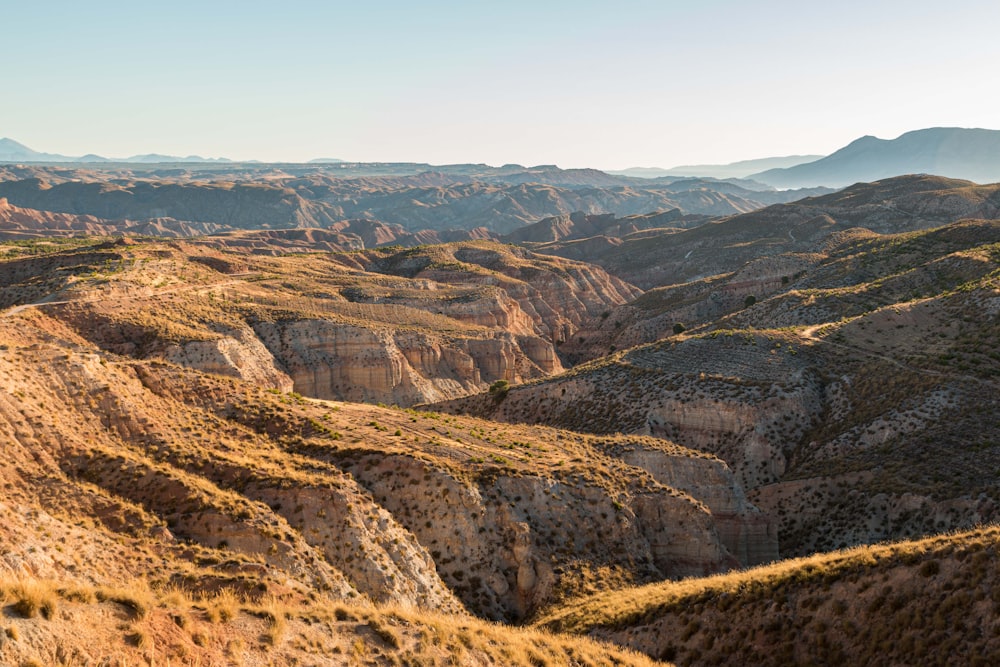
(7, 143)
(955, 152)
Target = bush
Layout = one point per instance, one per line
(929, 568)
(32, 599)
(679, 328)
(499, 389)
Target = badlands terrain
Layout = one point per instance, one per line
(260, 414)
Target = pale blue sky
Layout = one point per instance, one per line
(603, 84)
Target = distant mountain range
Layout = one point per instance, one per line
(972, 154)
(740, 169)
(14, 152)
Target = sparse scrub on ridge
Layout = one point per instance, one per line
(897, 602)
(289, 631)
(874, 368)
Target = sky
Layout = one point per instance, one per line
(573, 83)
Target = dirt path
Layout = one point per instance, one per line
(809, 333)
(49, 301)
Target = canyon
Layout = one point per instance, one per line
(407, 429)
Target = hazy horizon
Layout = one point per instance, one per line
(647, 84)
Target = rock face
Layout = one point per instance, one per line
(496, 541)
(238, 206)
(896, 205)
(653, 316)
(241, 355)
(378, 555)
(342, 236)
(747, 533)
(345, 362)
(808, 524)
(454, 319)
(261, 488)
(684, 394)
(556, 296)
(862, 429)
(391, 326)
(578, 226)
(410, 208)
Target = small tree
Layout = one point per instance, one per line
(499, 389)
(679, 328)
(749, 301)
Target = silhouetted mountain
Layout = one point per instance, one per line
(972, 154)
(13, 151)
(157, 157)
(740, 169)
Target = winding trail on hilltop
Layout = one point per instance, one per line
(809, 333)
(48, 301)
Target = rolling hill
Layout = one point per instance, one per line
(852, 389)
(151, 439)
(929, 602)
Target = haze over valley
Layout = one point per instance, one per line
(546, 335)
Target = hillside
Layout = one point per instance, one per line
(929, 602)
(257, 524)
(301, 448)
(396, 326)
(668, 257)
(342, 236)
(708, 272)
(460, 507)
(972, 154)
(578, 226)
(428, 206)
(863, 386)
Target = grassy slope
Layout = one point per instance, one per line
(929, 602)
(118, 469)
(893, 338)
(47, 622)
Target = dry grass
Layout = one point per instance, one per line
(32, 597)
(138, 599)
(223, 606)
(900, 603)
(294, 630)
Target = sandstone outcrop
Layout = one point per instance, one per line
(400, 327)
(347, 362)
(271, 489)
(498, 541)
(557, 295)
(734, 396)
(240, 355)
(749, 534)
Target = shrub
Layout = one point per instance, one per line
(679, 328)
(32, 598)
(499, 389)
(384, 633)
